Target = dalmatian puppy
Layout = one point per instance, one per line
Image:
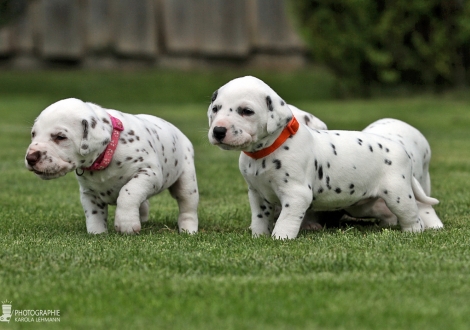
(119, 159)
(417, 147)
(287, 164)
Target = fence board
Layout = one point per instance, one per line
(62, 37)
(98, 27)
(136, 28)
(272, 28)
(225, 28)
(182, 28)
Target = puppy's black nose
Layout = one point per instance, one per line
(33, 158)
(219, 133)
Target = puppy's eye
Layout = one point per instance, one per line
(245, 112)
(57, 138)
(33, 134)
(216, 108)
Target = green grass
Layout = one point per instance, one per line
(359, 277)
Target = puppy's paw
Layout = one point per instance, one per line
(128, 228)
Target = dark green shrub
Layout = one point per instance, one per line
(370, 43)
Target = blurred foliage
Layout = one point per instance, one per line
(384, 43)
(10, 9)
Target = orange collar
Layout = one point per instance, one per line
(288, 131)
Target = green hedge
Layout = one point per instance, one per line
(370, 43)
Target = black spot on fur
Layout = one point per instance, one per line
(370, 148)
(85, 128)
(380, 146)
(282, 103)
(320, 172)
(359, 141)
(388, 162)
(278, 163)
(93, 122)
(263, 163)
(286, 205)
(334, 148)
(385, 192)
(269, 103)
(214, 95)
(338, 190)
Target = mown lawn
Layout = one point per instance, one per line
(353, 277)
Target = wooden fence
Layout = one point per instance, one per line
(168, 33)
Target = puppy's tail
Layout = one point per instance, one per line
(420, 195)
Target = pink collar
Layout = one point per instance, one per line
(105, 158)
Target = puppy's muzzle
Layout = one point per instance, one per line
(219, 133)
(33, 158)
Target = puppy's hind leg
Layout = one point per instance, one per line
(404, 206)
(429, 216)
(186, 193)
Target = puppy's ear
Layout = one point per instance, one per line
(94, 137)
(279, 113)
(210, 112)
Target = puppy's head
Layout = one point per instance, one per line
(66, 135)
(244, 112)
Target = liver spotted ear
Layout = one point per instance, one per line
(95, 137)
(279, 114)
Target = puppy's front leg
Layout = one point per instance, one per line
(294, 207)
(131, 197)
(262, 214)
(96, 213)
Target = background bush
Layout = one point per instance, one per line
(369, 43)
